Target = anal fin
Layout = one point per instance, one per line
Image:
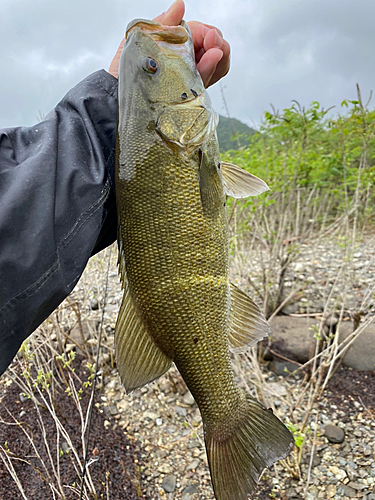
(139, 359)
(247, 325)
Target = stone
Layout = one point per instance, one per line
(345, 490)
(169, 484)
(188, 399)
(331, 491)
(23, 397)
(361, 354)
(165, 468)
(193, 465)
(189, 490)
(357, 486)
(283, 368)
(338, 473)
(94, 304)
(334, 434)
(296, 335)
(290, 309)
(181, 411)
(193, 444)
(89, 327)
(277, 389)
(316, 460)
(65, 447)
(331, 321)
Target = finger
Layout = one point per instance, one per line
(208, 64)
(223, 65)
(113, 67)
(206, 38)
(173, 16)
(193, 25)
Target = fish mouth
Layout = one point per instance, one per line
(159, 32)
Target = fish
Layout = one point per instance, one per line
(179, 305)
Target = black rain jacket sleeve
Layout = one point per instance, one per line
(57, 205)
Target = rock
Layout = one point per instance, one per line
(165, 468)
(94, 304)
(357, 486)
(361, 354)
(290, 493)
(23, 397)
(193, 465)
(316, 460)
(338, 473)
(193, 444)
(290, 309)
(150, 415)
(188, 399)
(111, 410)
(169, 484)
(330, 491)
(331, 321)
(65, 447)
(297, 335)
(189, 490)
(334, 434)
(89, 327)
(283, 368)
(310, 496)
(299, 267)
(181, 411)
(345, 490)
(69, 347)
(277, 389)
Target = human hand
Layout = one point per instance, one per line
(212, 52)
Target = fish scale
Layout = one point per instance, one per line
(178, 303)
(165, 253)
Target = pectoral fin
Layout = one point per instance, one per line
(247, 325)
(239, 183)
(139, 359)
(210, 185)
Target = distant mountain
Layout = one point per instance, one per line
(230, 127)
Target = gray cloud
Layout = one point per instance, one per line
(295, 49)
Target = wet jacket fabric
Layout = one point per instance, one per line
(57, 205)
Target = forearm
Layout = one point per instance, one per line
(57, 205)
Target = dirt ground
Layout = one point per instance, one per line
(117, 456)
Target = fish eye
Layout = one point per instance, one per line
(150, 65)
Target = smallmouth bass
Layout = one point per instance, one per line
(178, 304)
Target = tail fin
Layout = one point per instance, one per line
(241, 448)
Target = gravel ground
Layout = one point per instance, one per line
(153, 439)
(161, 424)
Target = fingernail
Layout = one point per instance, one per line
(171, 7)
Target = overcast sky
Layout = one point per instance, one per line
(281, 50)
